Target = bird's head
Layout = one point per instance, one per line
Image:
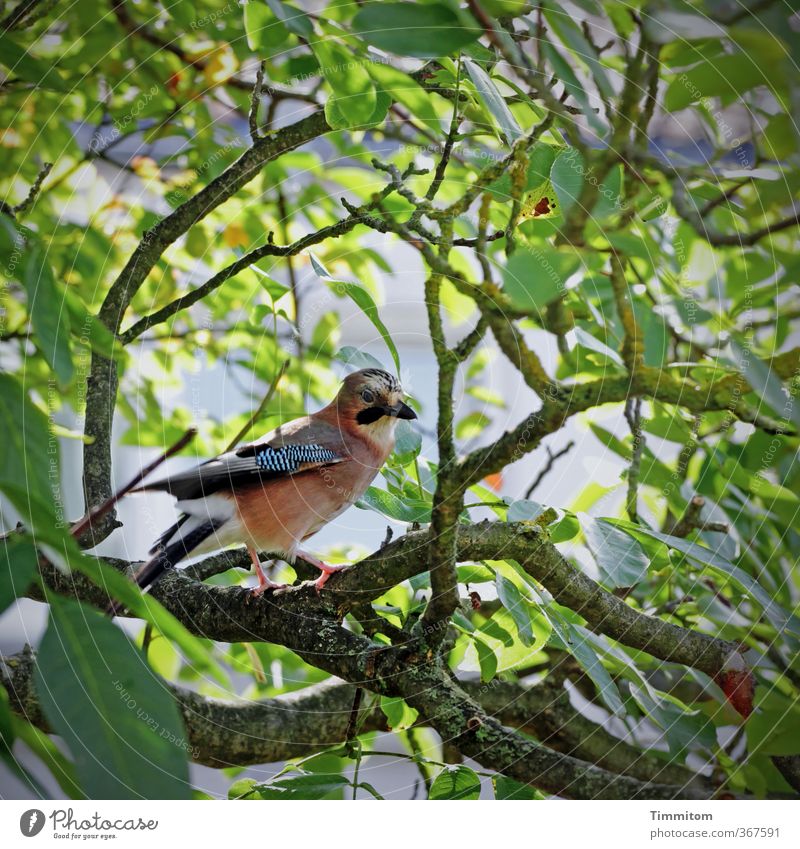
(373, 400)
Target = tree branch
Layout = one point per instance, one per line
(292, 618)
(689, 212)
(237, 732)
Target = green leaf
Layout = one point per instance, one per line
(573, 639)
(244, 788)
(20, 62)
(263, 30)
(533, 277)
(562, 24)
(781, 618)
(565, 530)
(728, 76)
(773, 731)
(511, 598)
(508, 788)
(493, 101)
(363, 300)
(405, 90)
(92, 331)
(487, 659)
(358, 359)
(620, 558)
(24, 466)
(573, 85)
(62, 769)
(294, 20)
(610, 201)
(567, 176)
(146, 607)
(49, 315)
(7, 735)
(119, 721)
(524, 510)
(411, 29)
(273, 288)
(456, 782)
(390, 505)
(63, 549)
(8, 729)
(494, 629)
(337, 121)
(586, 340)
(314, 786)
(540, 161)
(399, 715)
(765, 384)
(472, 425)
(18, 566)
(408, 442)
(684, 730)
(354, 96)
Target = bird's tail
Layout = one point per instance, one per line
(167, 555)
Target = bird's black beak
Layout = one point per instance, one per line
(401, 411)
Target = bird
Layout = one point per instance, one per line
(274, 493)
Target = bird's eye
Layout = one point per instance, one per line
(368, 396)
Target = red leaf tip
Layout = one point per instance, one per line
(739, 686)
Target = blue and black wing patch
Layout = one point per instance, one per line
(292, 458)
(248, 465)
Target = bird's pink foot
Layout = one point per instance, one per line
(267, 585)
(264, 582)
(326, 569)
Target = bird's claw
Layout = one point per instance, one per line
(268, 587)
(326, 573)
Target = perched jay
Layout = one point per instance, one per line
(273, 494)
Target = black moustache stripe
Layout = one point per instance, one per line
(370, 415)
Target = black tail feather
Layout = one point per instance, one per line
(167, 556)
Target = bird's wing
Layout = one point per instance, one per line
(290, 449)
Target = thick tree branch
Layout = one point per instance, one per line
(461, 722)
(239, 732)
(232, 614)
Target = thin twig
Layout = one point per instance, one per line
(687, 210)
(260, 409)
(691, 520)
(147, 638)
(633, 414)
(22, 208)
(441, 167)
(82, 525)
(255, 102)
(352, 721)
(548, 466)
